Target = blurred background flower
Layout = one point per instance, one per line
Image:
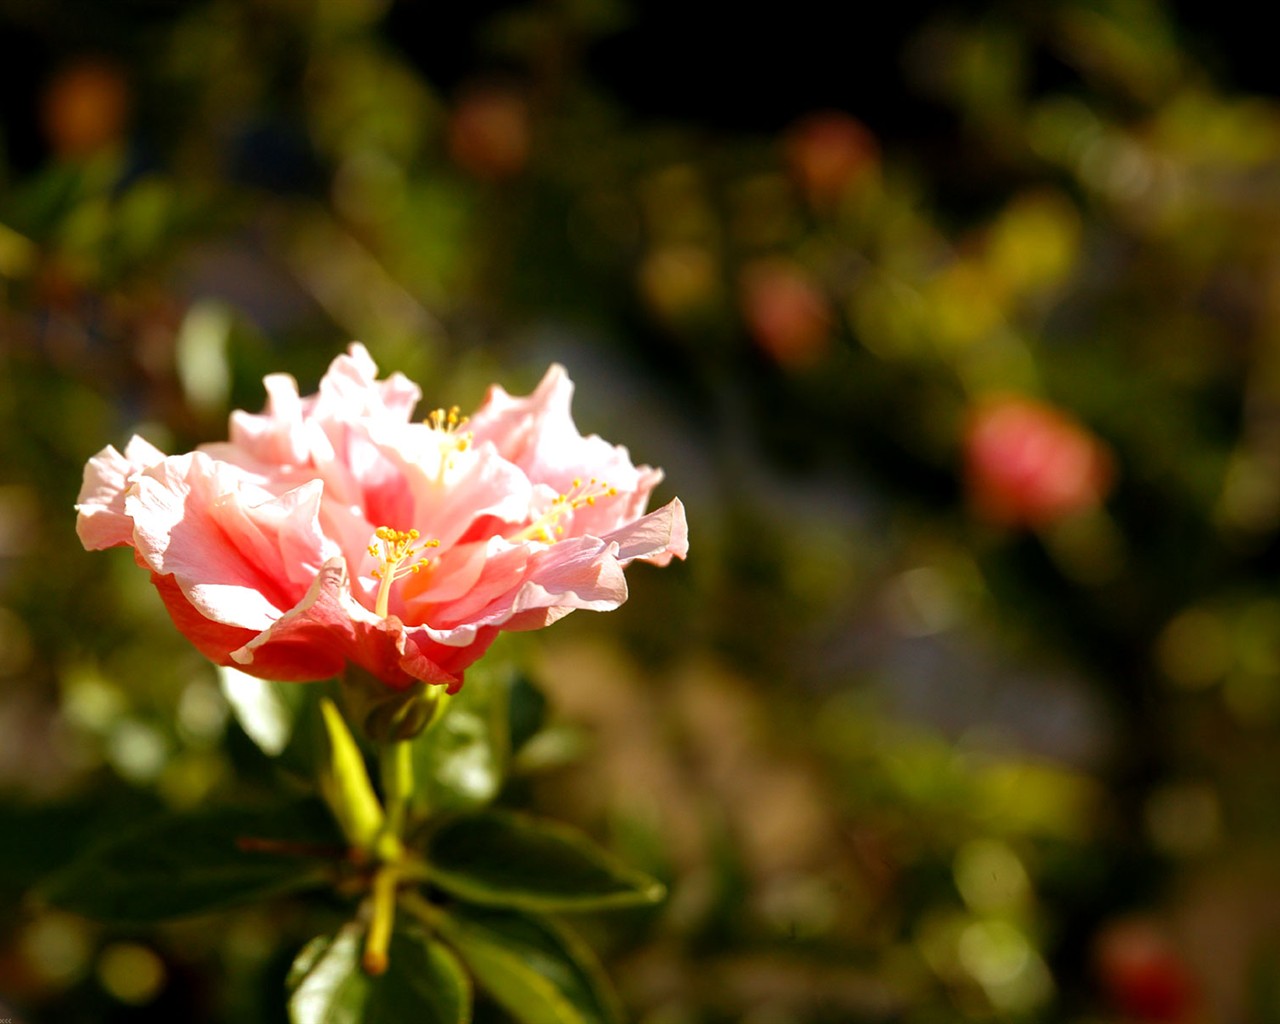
(959, 711)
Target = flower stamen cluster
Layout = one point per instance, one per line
(446, 423)
(395, 561)
(548, 526)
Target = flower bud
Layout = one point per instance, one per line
(385, 715)
(786, 313)
(1029, 464)
(1142, 974)
(828, 153)
(345, 783)
(489, 132)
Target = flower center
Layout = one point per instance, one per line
(446, 422)
(397, 558)
(548, 526)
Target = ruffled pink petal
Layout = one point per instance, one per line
(214, 640)
(102, 521)
(527, 587)
(537, 433)
(513, 424)
(240, 555)
(454, 658)
(504, 568)
(582, 573)
(450, 491)
(278, 435)
(350, 390)
(328, 628)
(656, 538)
(450, 577)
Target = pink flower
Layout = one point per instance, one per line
(1029, 464)
(333, 529)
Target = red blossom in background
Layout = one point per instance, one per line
(489, 133)
(1029, 464)
(1143, 974)
(828, 152)
(786, 312)
(333, 529)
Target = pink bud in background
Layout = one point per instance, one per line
(1142, 973)
(85, 107)
(785, 312)
(829, 152)
(489, 132)
(1029, 464)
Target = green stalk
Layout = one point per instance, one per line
(396, 764)
(395, 761)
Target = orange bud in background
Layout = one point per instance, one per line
(1030, 464)
(829, 152)
(785, 311)
(489, 132)
(84, 108)
(1142, 973)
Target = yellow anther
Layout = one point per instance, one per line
(447, 420)
(561, 505)
(397, 558)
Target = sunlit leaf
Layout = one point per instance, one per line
(510, 860)
(539, 971)
(423, 982)
(267, 711)
(460, 761)
(345, 781)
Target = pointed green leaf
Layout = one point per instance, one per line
(267, 711)
(423, 982)
(345, 782)
(502, 859)
(174, 867)
(460, 761)
(537, 969)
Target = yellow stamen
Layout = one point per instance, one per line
(397, 558)
(547, 526)
(446, 422)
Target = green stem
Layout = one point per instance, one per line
(378, 939)
(397, 785)
(422, 910)
(396, 766)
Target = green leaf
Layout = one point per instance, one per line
(538, 970)
(502, 859)
(528, 710)
(179, 866)
(345, 782)
(460, 761)
(267, 711)
(423, 982)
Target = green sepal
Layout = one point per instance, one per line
(423, 983)
(179, 866)
(267, 711)
(504, 859)
(346, 785)
(537, 969)
(384, 714)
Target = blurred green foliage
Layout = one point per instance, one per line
(895, 760)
